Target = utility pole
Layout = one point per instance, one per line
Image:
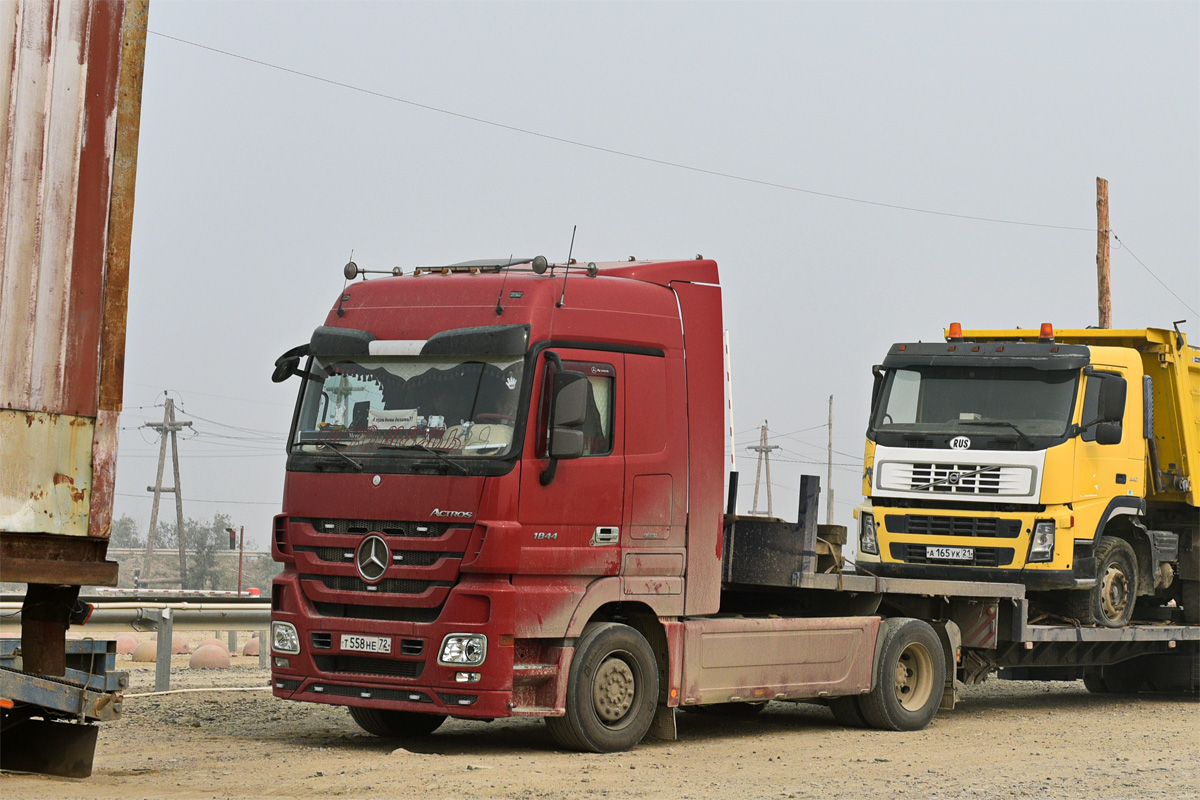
(764, 455)
(168, 427)
(829, 470)
(1104, 288)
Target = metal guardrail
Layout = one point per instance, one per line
(165, 618)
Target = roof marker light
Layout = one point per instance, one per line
(955, 334)
(1047, 333)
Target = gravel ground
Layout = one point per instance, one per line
(1005, 740)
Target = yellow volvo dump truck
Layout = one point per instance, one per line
(1065, 460)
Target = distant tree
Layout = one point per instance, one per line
(203, 541)
(125, 533)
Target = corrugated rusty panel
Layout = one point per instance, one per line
(45, 485)
(70, 88)
(60, 103)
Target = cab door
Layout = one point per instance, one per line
(1107, 470)
(571, 511)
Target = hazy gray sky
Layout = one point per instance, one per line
(255, 184)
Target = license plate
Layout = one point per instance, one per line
(950, 553)
(367, 644)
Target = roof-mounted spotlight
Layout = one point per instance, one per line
(540, 265)
(350, 270)
(592, 269)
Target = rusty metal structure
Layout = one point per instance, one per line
(70, 96)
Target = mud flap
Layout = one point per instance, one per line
(951, 638)
(663, 725)
(64, 749)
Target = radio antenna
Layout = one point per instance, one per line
(504, 280)
(567, 269)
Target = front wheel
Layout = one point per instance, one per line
(1110, 602)
(396, 724)
(612, 691)
(910, 674)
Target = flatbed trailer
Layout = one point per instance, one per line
(984, 627)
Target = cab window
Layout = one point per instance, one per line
(598, 420)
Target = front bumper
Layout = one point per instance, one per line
(409, 678)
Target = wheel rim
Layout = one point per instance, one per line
(1114, 592)
(613, 689)
(914, 677)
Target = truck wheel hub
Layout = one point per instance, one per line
(613, 689)
(1114, 592)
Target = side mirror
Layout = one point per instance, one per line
(570, 409)
(1108, 433)
(1111, 402)
(288, 364)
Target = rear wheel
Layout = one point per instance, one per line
(612, 691)
(1190, 592)
(396, 724)
(1110, 602)
(909, 678)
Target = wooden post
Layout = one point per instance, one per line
(147, 563)
(183, 576)
(1104, 288)
(829, 470)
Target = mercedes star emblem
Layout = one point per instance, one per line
(372, 558)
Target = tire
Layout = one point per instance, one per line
(1110, 602)
(848, 712)
(1190, 591)
(396, 724)
(612, 691)
(910, 676)
(1093, 681)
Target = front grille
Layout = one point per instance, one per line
(362, 527)
(369, 665)
(371, 693)
(971, 479)
(984, 556)
(380, 613)
(924, 525)
(927, 477)
(350, 583)
(408, 558)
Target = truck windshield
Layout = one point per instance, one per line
(460, 406)
(997, 402)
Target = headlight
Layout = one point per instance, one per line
(867, 543)
(1042, 546)
(284, 638)
(463, 649)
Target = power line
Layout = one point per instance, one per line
(197, 500)
(612, 151)
(1152, 275)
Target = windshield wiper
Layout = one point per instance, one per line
(1020, 433)
(340, 454)
(431, 451)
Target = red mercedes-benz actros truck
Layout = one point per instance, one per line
(505, 497)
